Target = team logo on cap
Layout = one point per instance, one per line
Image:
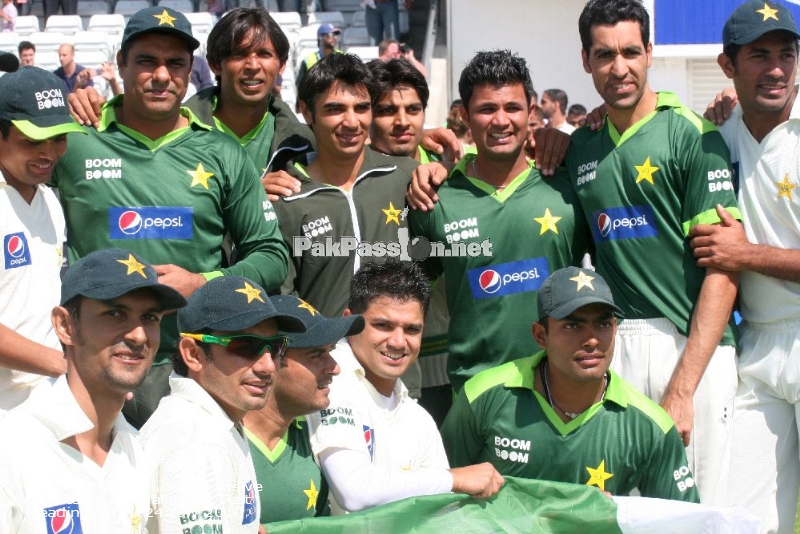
(15, 250)
(369, 438)
(305, 305)
(490, 281)
(130, 223)
(165, 18)
(133, 266)
(249, 503)
(251, 292)
(63, 519)
(768, 12)
(49, 98)
(583, 280)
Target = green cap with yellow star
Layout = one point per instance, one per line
(571, 288)
(232, 304)
(753, 19)
(160, 19)
(112, 272)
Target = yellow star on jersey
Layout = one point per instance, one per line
(785, 188)
(165, 18)
(598, 476)
(251, 292)
(646, 171)
(548, 222)
(308, 307)
(768, 12)
(133, 266)
(312, 493)
(392, 214)
(583, 280)
(200, 176)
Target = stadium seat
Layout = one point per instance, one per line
(359, 19)
(366, 53)
(26, 25)
(201, 22)
(348, 8)
(8, 42)
(47, 42)
(334, 17)
(92, 41)
(355, 36)
(289, 20)
(182, 6)
(47, 59)
(126, 8)
(87, 8)
(111, 24)
(65, 24)
(91, 59)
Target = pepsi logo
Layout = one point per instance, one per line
(490, 281)
(15, 247)
(604, 224)
(61, 521)
(130, 222)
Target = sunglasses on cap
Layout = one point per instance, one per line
(246, 345)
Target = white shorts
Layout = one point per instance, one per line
(765, 463)
(646, 354)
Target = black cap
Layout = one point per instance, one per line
(160, 19)
(110, 273)
(319, 329)
(8, 62)
(232, 304)
(753, 19)
(571, 288)
(35, 101)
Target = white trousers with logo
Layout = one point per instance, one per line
(646, 354)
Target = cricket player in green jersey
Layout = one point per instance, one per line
(562, 414)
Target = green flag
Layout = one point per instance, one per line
(522, 505)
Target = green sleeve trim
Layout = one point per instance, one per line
(709, 217)
(517, 373)
(212, 274)
(703, 126)
(625, 395)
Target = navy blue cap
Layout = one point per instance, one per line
(320, 330)
(571, 288)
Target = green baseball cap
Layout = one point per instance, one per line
(160, 19)
(753, 19)
(35, 101)
(571, 288)
(8, 62)
(109, 273)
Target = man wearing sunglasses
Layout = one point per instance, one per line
(375, 444)
(70, 461)
(292, 485)
(201, 473)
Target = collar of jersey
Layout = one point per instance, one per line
(249, 136)
(189, 390)
(500, 195)
(271, 455)
(370, 165)
(665, 100)
(427, 157)
(109, 117)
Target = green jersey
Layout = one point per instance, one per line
(623, 442)
(534, 226)
(642, 192)
(277, 140)
(171, 200)
(290, 483)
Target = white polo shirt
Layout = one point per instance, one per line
(32, 237)
(201, 476)
(400, 441)
(47, 486)
(769, 173)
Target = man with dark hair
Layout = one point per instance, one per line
(565, 398)
(27, 53)
(292, 485)
(168, 186)
(654, 171)
(347, 191)
(327, 39)
(554, 106)
(385, 447)
(201, 473)
(34, 138)
(760, 50)
(69, 435)
(576, 115)
(487, 196)
(247, 51)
